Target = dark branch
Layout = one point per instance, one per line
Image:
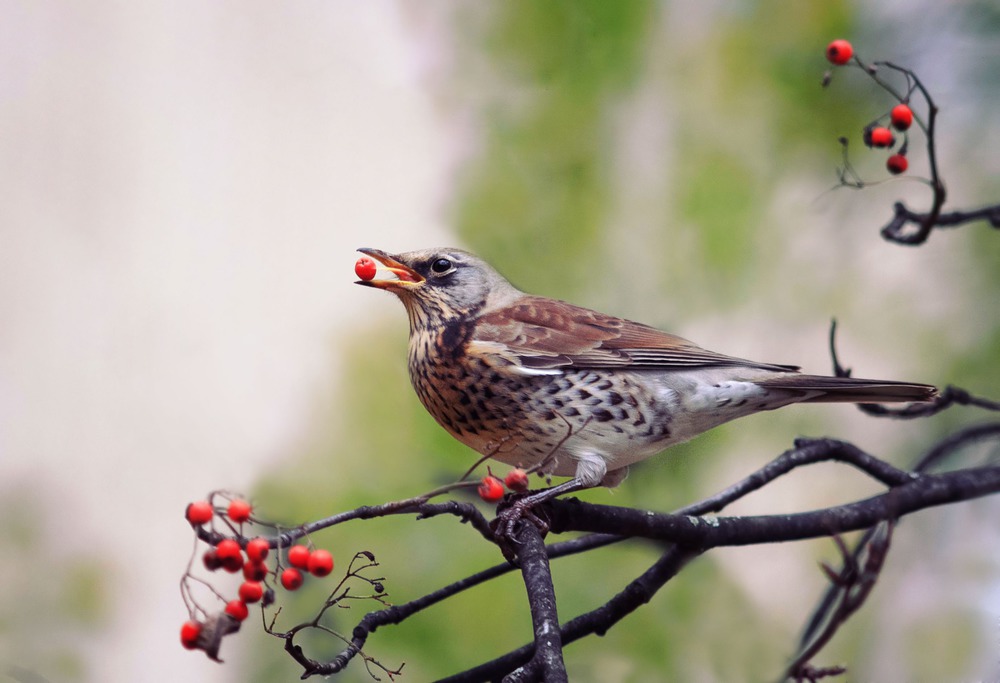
(850, 587)
(400, 613)
(948, 397)
(805, 452)
(896, 229)
(921, 492)
(548, 657)
(596, 622)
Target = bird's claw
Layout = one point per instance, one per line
(504, 525)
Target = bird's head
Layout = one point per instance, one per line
(437, 285)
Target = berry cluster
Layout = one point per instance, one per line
(876, 134)
(491, 489)
(249, 556)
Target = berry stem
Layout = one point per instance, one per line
(937, 185)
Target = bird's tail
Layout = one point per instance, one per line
(850, 390)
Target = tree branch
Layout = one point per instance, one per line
(920, 493)
(542, 601)
(637, 593)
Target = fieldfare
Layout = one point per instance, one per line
(540, 383)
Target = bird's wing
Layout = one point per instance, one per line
(542, 336)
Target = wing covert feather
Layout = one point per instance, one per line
(548, 334)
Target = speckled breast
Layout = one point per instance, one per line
(522, 420)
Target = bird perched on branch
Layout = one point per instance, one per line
(540, 383)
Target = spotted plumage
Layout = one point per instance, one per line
(538, 382)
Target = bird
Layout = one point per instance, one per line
(562, 390)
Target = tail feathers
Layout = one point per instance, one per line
(850, 390)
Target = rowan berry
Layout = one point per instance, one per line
(897, 164)
(239, 510)
(320, 562)
(237, 609)
(291, 579)
(211, 560)
(199, 512)
(251, 591)
(901, 116)
(881, 137)
(190, 630)
(298, 556)
(365, 268)
(491, 489)
(254, 571)
(257, 549)
(516, 480)
(839, 52)
(229, 554)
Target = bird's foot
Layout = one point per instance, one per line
(509, 519)
(525, 507)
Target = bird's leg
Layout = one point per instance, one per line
(524, 508)
(591, 468)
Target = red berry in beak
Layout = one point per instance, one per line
(365, 268)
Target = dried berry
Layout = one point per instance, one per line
(516, 480)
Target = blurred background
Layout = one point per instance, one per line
(183, 185)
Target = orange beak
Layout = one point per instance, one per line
(404, 275)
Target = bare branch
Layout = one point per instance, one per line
(920, 493)
(542, 601)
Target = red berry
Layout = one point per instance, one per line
(491, 489)
(211, 560)
(237, 609)
(251, 592)
(516, 480)
(291, 579)
(881, 137)
(320, 562)
(839, 52)
(239, 510)
(365, 268)
(298, 556)
(254, 571)
(257, 549)
(199, 512)
(902, 117)
(229, 554)
(190, 630)
(897, 164)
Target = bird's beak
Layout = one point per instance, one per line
(405, 277)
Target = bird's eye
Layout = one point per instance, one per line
(441, 265)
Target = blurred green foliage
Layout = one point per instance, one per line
(543, 176)
(748, 117)
(70, 606)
